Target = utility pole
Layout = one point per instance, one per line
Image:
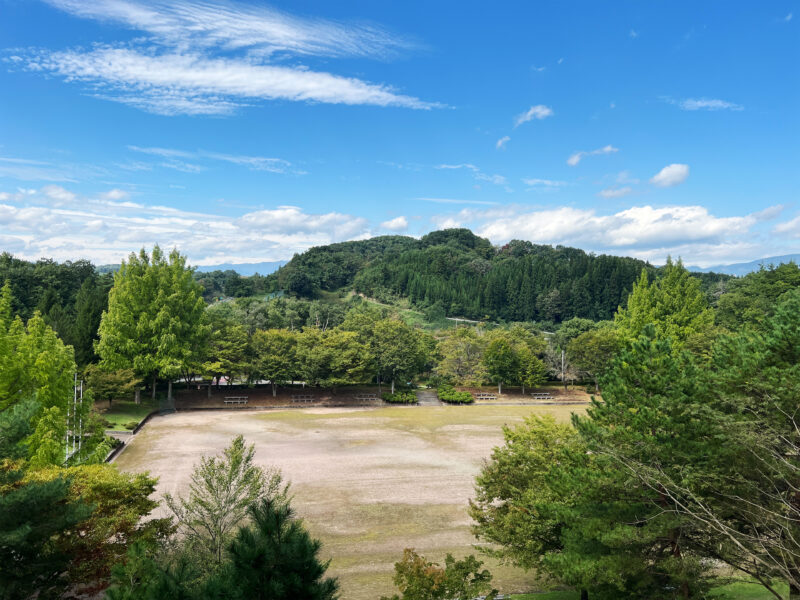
(563, 375)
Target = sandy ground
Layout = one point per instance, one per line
(368, 482)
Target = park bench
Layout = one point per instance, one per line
(485, 396)
(542, 396)
(235, 399)
(366, 396)
(302, 397)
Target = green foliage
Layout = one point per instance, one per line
(457, 273)
(419, 579)
(119, 502)
(155, 322)
(674, 304)
(501, 360)
(448, 394)
(514, 488)
(32, 514)
(332, 357)
(400, 352)
(221, 491)
(275, 355)
(400, 397)
(273, 558)
(227, 350)
(752, 299)
(461, 356)
(592, 352)
(110, 385)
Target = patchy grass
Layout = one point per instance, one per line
(368, 482)
(123, 412)
(739, 590)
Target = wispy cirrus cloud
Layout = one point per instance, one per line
(175, 159)
(534, 183)
(203, 58)
(501, 143)
(576, 157)
(711, 104)
(615, 192)
(476, 173)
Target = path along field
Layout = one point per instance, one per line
(367, 482)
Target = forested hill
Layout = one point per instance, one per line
(465, 275)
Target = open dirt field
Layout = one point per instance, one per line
(368, 482)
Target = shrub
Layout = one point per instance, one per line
(400, 398)
(131, 425)
(448, 394)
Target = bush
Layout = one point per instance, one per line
(400, 398)
(448, 394)
(131, 425)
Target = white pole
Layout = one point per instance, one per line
(80, 426)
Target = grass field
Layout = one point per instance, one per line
(368, 482)
(123, 412)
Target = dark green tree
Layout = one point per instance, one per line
(273, 558)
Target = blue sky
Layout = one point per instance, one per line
(245, 131)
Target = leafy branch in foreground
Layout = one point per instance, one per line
(222, 490)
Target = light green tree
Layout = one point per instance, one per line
(221, 491)
(275, 356)
(227, 352)
(674, 304)
(461, 352)
(592, 352)
(155, 322)
(501, 360)
(399, 350)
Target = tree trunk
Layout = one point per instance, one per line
(596, 386)
(393, 385)
(169, 390)
(153, 396)
(274, 390)
(523, 389)
(584, 594)
(499, 387)
(137, 397)
(209, 389)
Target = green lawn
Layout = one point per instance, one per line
(733, 591)
(123, 412)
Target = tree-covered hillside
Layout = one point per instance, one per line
(467, 276)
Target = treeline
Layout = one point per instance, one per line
(465, 275)
(69, 296)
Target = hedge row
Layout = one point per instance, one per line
(400, 398)
(448, 394)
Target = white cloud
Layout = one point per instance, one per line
(618, 192)
(396, 224)
(670, 175)
(456, 201)
(254, 163)
(549, 184)
(199, 58)
(788, 17)
(540, 111)
(476, 173)
(189, 83)
(633, 34)
(238, 25)
(708, 104)
(105, 230)
(577, 157)
(501, 143)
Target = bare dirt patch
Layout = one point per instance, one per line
(368, 482)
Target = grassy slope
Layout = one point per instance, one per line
(732, 591)
(122, 412)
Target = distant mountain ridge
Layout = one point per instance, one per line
(744, 268)
(243, 269)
